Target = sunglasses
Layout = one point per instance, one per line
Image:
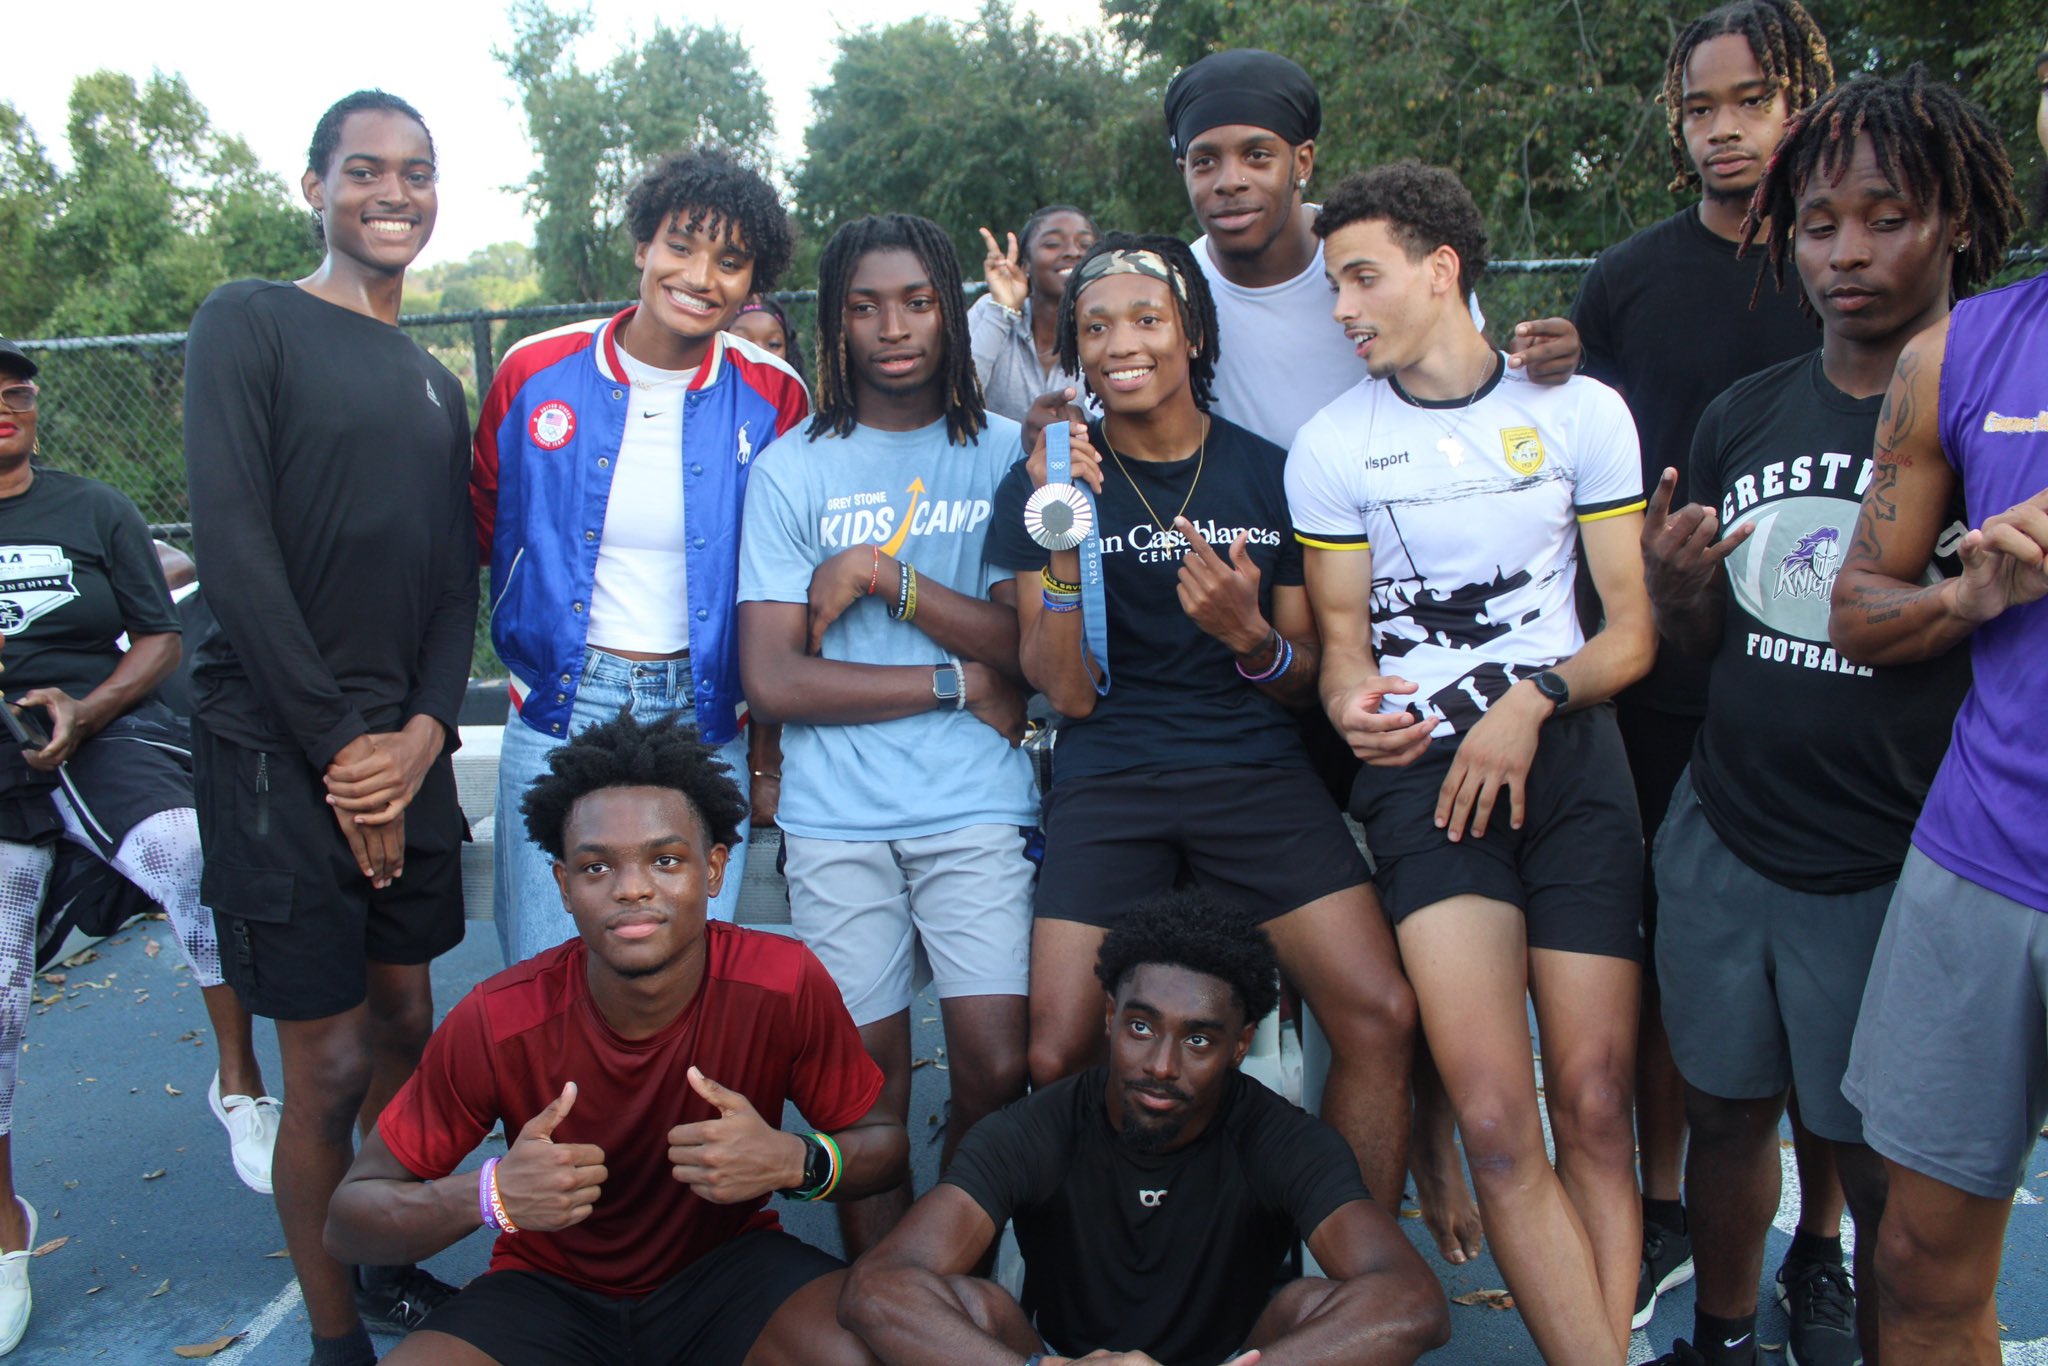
(19, 398)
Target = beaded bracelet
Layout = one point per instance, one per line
(875, 574)
(1283, 660)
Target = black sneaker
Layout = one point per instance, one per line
(1820, 1297)
(1667, 1262)
(394, 1300)
(1683, 1353)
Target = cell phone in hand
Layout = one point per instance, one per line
(27, 731)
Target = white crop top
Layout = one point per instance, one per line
(637, 602)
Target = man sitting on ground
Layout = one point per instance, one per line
(1154, 1198)
(635, 1065)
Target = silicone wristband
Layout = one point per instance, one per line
(484, 1177)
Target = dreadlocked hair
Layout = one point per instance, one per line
(626, 752)
(1197, 310)
(1194, 929)
(714, 192)
(1929, 140)
(927, 241)
(1787, 45)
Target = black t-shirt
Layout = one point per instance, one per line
(1172, 1254)
(1175, 697)
(328, 460)
(76, 571)
(1665, 318)
(1810, 768)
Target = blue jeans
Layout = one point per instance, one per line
(525, 902)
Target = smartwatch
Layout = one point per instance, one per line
(1553, 687)
(947, 685)
(817, 1169)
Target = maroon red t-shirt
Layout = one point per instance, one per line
(767, 1022)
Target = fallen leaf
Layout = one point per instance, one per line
(52, 1245)
(171, 1090)
(151, 1176)
(71, 1185)
(79, 959)
(1411, 1214)
(1492, 1299)
(281, 1252)
(919, 1062)
(55, 979)
(158, 1291)
(94, 1290)
(151, 948)
(198, 1351)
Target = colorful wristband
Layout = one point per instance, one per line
(1283, 660)
(1062, 602)
(1057, 585)
(875, 574)
(485, 1175)
(500, 1219)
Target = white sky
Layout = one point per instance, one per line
(266, 71)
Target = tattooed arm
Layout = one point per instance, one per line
(1882, 615)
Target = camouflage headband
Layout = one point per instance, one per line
(1120, 262)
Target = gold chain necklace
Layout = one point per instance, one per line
(1200, 452)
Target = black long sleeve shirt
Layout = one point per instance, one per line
(327, 456)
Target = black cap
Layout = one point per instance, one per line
(1247, 86)
(13, 357)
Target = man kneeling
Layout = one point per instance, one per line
(634, 1064)
(1155, 1198)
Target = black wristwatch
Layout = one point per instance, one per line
(817, 1169)
(947, 685)
(1553, 687)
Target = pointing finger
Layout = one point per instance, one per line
(1660, 499)
(1196, 545)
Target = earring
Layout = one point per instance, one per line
(1301, 184)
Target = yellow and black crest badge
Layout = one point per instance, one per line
(1523, 449)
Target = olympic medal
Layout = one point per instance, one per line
(1058, 517)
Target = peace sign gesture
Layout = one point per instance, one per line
(1008, 285)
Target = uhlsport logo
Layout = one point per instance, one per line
(1523, 448)
(552, 424)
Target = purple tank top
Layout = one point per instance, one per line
(1986, 818)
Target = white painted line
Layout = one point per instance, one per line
(264, 1324)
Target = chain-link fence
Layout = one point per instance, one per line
(112, 407)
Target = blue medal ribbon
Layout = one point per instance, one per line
(1059, 469)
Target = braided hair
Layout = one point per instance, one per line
(1930, 141)
(926, 240)
(1787, 44)
(1197, 310)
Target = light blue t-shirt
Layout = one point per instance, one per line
(926, 502)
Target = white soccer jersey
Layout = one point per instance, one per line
(1468, 510)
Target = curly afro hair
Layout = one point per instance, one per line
(625, 752)
(1193, 929)
(1425, 207)
(718, 194)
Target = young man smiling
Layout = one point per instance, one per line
(1441, 504)
(866, 629)
(1786, 836)
(633, 1067)
(1733, 78)
(1154, 1198)
(611, 461)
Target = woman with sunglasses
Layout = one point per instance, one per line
(104, 763)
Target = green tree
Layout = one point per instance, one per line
(28, 206)
(980, 123)
(594, 130)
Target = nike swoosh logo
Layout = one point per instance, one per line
(645, 413)
(1736, 1342)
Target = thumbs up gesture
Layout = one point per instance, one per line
(737, 1156)
(546, 1185)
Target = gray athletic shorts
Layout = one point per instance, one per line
(1950, 1067)
(1761, 982)
(867, 908)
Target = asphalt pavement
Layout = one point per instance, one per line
(151, 1243)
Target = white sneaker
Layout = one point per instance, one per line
(251, 1122)
(14, 1296)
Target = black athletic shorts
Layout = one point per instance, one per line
(1575, 867)
(137, 765)
(297, 920)
(1266, 838)
(1659, 746)
(708, 1314)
